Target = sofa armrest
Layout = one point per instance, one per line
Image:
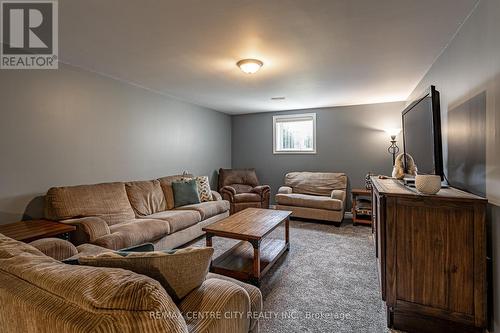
(255, 299)
(339, 195)
(56, 248)
(228, 193)
(88, 229)
(261, 189)
(285, 190)
(228, 189)
(264, 192)
(216, 196)
(224, 305)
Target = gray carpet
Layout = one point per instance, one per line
(327, 282)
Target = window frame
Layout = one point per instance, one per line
(291, 117)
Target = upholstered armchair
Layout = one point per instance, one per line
(314, 195)
(242, 189)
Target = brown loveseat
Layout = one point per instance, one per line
(41, 294)
(241, 188)
(314, 195)
(118, 215)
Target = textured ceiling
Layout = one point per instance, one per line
(316, 53)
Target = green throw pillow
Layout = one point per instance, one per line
(185, 193)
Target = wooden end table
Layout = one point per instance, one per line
(361, 215)
(251, 258)
(28, 231)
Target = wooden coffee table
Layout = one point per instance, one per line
(251, 258)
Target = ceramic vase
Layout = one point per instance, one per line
(428, 184)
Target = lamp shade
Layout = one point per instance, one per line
(249, 66)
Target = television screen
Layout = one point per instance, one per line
(422, 133)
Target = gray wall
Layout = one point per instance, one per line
(470, 66)
(69, 126)
(349, 139)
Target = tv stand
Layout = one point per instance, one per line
(431, 255)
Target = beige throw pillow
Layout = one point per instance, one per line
(204, 188)
(179, 271)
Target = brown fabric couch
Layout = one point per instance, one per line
(41, 294)
(118, 215)
(314, 195)
(241, 188)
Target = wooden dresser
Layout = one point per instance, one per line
(431, 253)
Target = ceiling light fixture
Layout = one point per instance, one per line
(249, 66)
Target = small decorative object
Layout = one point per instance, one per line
(399, 171)
(428, 184)
(368, 181)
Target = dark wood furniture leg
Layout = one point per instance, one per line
(353, 210)
(256, 263)
(209, 239)
(287, 233)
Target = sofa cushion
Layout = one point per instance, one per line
(177, 219)
(88, 250)
(316, 183)
(238, 176)
(108, 201)
(133, 232)
(146, 197)
(178, 271)
(185, 192)
(241, 188)
(166, 186)
(247, 197)
(208, 209)
(310, 201)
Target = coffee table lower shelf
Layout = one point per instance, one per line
(239, 262)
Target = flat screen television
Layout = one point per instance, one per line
(422, 133)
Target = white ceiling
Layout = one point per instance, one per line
(316, 53)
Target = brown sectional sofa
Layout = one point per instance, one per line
(41, 294)
(314, 195)
(118, 215)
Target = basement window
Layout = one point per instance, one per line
(294, 134)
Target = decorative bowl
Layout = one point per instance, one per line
(428, 184)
